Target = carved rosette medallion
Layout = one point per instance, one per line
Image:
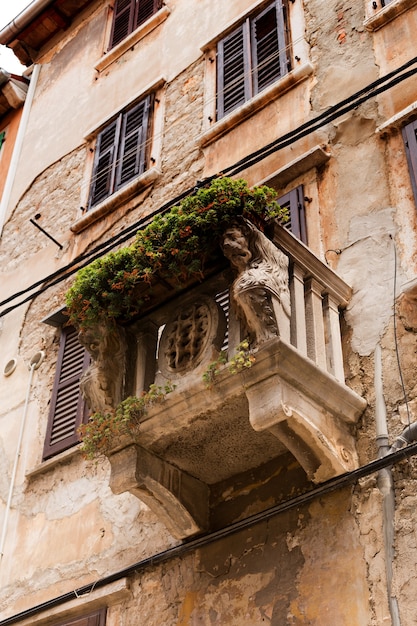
(189, 337)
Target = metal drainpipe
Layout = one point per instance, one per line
(11, 174)
(35, 362)
(385, 484)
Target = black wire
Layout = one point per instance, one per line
(193, 544)
(305, 129)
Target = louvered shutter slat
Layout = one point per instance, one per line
(293, 201)
(67, 406)
(133, 143)
(145, 9)
(124, 12)
(232, 72)
(104, 164)
(267, 43)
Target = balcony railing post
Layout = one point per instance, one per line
(333, 338)
(316, 349)
(298, 314)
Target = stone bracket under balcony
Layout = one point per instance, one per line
(307, 409)
(179, 500)
(199, 437)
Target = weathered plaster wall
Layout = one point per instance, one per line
(322, 564)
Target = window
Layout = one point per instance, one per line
(98, 618)
(2, 138)
(294, 202)
(121, 150)
(128, 15)
(252, 57)
(410, 138)
(68, 409)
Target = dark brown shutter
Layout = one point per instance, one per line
(145, 9)
(410, 139)
(233, 69)
(294, 202)
(68, 409)
(133, 137)
(268, 46)
(102, 184)
(123, 21)
(98, 618)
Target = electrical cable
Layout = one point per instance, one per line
(303, 130)
(339, 482)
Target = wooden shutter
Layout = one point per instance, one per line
(133, 138)
(294, 202)
(268, 46)
(98, 618)
(145, 9)
(102, 184)
(233, 71)
(68, 408)
(123, 21)
(410, 139)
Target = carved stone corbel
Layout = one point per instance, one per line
(179, 500)
(102, 383)
(260, 290)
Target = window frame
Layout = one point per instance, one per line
(409, 133)
(135, 18)
(97, 618)
(249, 50)
(115, 152)
(295, 202)
(66, 358)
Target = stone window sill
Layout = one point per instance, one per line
(108, 595)
(256, 103)
(396, 122)
(387, 14)
(313, 158)
(50, 464)
(116, 199)
(132, 39)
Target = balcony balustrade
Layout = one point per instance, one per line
(219, 423)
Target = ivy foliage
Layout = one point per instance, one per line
(175, 246)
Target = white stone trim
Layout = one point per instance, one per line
(131, 40)
(379, 17)
(398, 120)
(236, 117)
(96, 599)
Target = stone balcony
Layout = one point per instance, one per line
(292, 399)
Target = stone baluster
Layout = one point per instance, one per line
(298, 314)
(316, 348)
(333, 338)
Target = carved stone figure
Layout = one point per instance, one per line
(102, 383)
(260, 290)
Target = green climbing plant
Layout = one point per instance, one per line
(175, 246)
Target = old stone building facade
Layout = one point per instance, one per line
(257, 486)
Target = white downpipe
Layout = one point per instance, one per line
(34, 364)
(385, 484)
(11, 174)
